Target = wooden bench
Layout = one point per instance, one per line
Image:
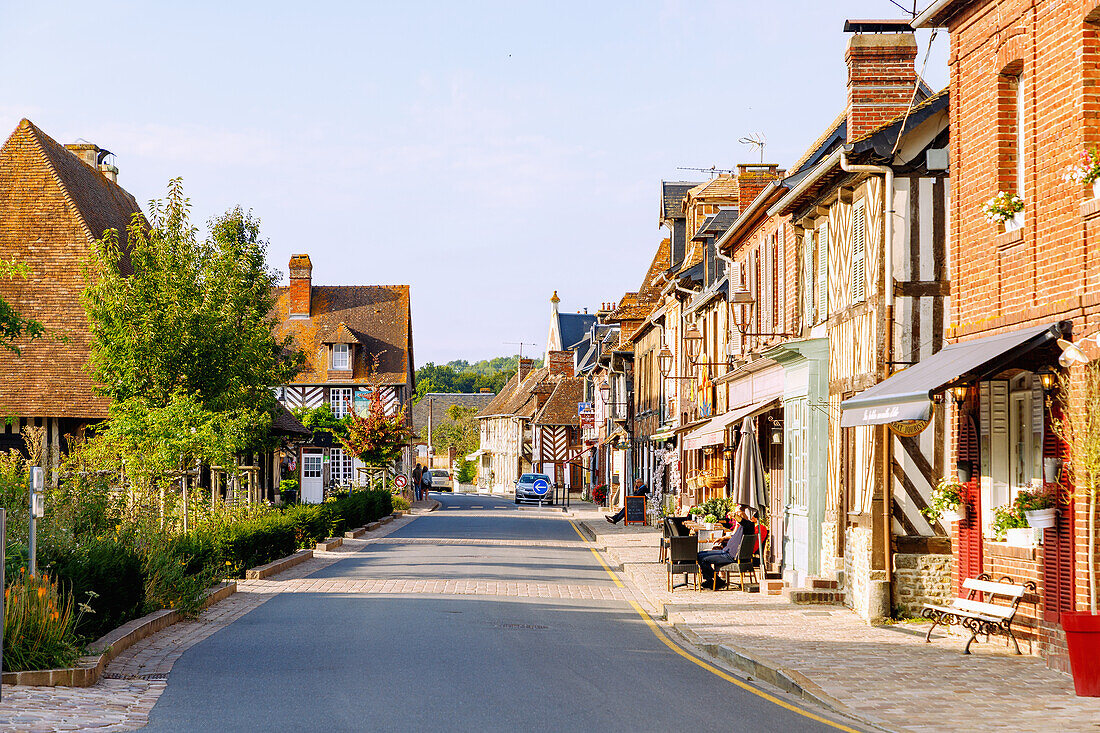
(981, 616)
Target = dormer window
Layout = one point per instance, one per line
(340, 357)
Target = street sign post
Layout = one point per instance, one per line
(3, 561)
(401, 481)
(540, 487)
(35, 484)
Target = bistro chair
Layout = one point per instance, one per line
(743, 565)
(683, 557)
(672, 527)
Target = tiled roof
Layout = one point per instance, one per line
(672, 196)
(837, 126)
(284, 422)
(441, 401)
(939, 97)
(574, 327)
(628, 308)
(516, 397)
(498, 403)
(377, 316)
(722, 186)
(340, 334)
(716, 225)
(52, 206)
(561, 407)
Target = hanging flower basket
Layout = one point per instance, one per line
(716, 482)
(1041, 518)
(957, 514)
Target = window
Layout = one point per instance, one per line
(340, 356)
(859, 254)
(339, 399)
(340, 467)
(1011, 440)
(311, 465)
(822, 287)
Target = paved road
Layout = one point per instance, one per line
(515, 626)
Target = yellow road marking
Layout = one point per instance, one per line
(699, 662)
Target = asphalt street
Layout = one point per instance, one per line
(540, 659)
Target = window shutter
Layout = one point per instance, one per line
(970, 529)
(809, 275)
(822, 272)
(859, 255)
(1058, 583)
(781, 279)
(766, 282)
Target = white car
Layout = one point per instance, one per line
(441, 480)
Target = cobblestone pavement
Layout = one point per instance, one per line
(123, 698)
(884, 674)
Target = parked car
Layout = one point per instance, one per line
(441, 480)
(525, 488)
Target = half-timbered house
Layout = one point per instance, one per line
(357, 340)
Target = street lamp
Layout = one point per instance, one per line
(664, 361)
(745, 298)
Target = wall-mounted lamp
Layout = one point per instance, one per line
(959, 393)
(777, 434)
(745, 298)
(727, 453)
(692, 333)
(1047, 378)
(664, 361)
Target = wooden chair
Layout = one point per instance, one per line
(683, 557)
(744, 564)
(672, 527)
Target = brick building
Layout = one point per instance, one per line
(1024, 90)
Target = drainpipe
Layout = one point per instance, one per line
(888, 265)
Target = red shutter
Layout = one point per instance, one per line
(970, 529)
(1058, 542)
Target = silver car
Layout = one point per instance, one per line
(525, 488)
(441, 480)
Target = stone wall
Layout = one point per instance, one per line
(920, 579)
(857, 568)
(830, 563)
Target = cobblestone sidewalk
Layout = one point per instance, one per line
(885, 675)
(135, 679)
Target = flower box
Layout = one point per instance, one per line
(1021, 537)
(1041, 518)
(957, 514)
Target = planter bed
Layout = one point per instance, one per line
(354, 534)
(90, 667)
(278, 566)
(330, 544)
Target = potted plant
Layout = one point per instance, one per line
(947, 502)
(1005, 208)
(710, 520)
(1039, 506)
(1080, 428)
(1086, 172)
(288, 490)
(1010, 525)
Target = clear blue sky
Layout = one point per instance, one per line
(487, 153)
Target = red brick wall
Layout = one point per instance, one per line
(561, 362)
(881, 77)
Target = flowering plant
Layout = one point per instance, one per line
(1002, 207)
(599, 494)
(1086, 170)
(947, 496)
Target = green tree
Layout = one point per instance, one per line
(459, 431)
(189, 316)
(12, 324)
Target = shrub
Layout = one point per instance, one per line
(174, 580)
(255, 542)
(399, 504)
(38, 625)
(109, 569)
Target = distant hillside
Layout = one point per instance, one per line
(462, 376)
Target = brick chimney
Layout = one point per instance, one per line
(881, 77)
(524, 368)
(94, 156)
(752, 178)
(561, 363)
(301, 286)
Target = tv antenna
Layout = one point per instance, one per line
(757, 140)
(713, 170)
(520, 344)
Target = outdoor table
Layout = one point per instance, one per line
(706, 536)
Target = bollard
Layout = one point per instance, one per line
(3, 562)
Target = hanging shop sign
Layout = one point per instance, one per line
(908, 428)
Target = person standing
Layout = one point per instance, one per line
(426, 483)
(418, 474)
(640, 489)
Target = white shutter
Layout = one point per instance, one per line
(809, 275)
(767, 287)
(859, 255)
(822, 272)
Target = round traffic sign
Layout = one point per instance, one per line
(541, 486)
(401, 481)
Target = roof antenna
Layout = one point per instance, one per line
(520, 344)
(758, 140)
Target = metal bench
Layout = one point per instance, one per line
(982, 617)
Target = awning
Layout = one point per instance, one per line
(616, 434)
(662, 434)
(477, 454)
(908, 394)
(713, 431)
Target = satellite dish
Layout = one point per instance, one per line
(1071, 354)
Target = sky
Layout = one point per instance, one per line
(485, 153)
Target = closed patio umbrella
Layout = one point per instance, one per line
(748, 470)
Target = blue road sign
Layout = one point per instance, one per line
(541, 486)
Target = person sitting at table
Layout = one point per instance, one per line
(725, 549)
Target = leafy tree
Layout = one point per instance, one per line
(322, 419)
(460, 431)
(462, 376)
(13, 325)
(193, 318)
(375, 438)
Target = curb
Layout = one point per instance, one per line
(278, 566)
(758, 668)
(330, 544)
(111, 644)
(354, 534)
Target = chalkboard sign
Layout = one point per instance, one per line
(635, 510)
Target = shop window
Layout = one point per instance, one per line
(1011, 419)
